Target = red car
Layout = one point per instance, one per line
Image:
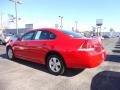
(57, 49)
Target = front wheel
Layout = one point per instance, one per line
(10, 53)
(55, 64)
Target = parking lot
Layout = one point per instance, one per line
(24, 75)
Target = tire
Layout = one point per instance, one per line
(10, 53)
(55, 64)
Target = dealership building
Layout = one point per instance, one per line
(20, 30)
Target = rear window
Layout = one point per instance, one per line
(73, 34)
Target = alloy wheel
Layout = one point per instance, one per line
(55, 64)
(10, 53)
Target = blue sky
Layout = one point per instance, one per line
(46, 12)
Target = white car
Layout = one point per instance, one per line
(7, 37)
(13, 38)
(4, 38)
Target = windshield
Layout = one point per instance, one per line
(73, 34)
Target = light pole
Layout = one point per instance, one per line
(16, 12)
(61, 21)
(76, 22)
(1, 17)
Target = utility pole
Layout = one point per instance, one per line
(61, 22)
(1, 22)
(16, 12)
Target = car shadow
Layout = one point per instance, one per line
(118, 47)
(117, 44)
(106, 80)
(37, 66)
(3, 56)
(41, 67)
(116, 51)
(113, 58)
(73, 72)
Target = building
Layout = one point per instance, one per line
(20, 30)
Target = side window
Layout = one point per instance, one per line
(52, 36)
(28, 36)
(44, 35)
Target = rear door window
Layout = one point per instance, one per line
(44, 35)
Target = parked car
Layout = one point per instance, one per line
(14, 37)
(57, 49)
(7, 37)
(106, 36)
(99, 37)
(4, 38)
(1, 39)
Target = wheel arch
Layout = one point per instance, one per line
(8, 47)
(54, 53)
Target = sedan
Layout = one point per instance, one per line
(57, 49)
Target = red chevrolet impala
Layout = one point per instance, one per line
(57, 49)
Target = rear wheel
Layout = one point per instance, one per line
(55, 64)
(10, 53)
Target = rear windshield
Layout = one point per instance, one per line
(73, 34)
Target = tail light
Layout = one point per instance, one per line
(86, 46)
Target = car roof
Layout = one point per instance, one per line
(56, 31)
(49, 29)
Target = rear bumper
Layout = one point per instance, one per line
(84, 59)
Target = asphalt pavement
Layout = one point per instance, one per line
(24, 75)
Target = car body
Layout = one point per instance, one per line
(58, 49)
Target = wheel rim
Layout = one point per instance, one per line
(54, 64)
(10, 54)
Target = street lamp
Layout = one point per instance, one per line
(16, 14)
(61, 21)
(76, 22)
(1, 17)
